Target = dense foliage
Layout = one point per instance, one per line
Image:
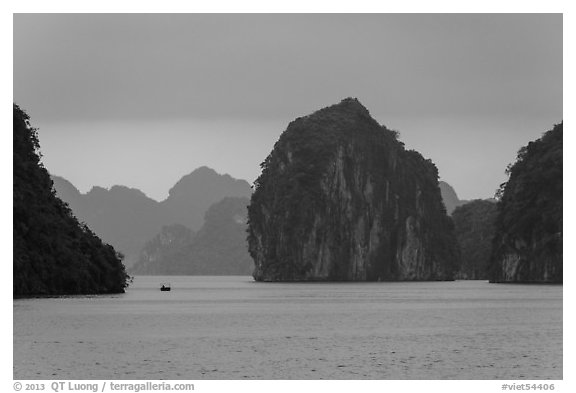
(219, 247)
(331, 177)
(529, 218)
(53, 253)
(474, 226)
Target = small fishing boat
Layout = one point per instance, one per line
(165, 287)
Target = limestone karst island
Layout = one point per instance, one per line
(527, 245)
(54, 254)
(340, 198)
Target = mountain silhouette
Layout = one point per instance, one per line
(449, 197)
(126, 218)
(53, 254)
(341, 199)
(194, 193)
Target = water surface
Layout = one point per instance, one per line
(234, 328)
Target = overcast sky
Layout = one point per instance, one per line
(142, 100)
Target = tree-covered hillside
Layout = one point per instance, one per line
(528, 242)
(53, 253)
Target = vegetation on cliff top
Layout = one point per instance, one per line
(529, 217)
(54, 254)
(307, 145)
(290, 192)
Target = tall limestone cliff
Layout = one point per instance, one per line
(53, 253)
(339, 198)
(193, 194)
(527, 246)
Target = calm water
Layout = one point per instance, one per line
(233, 328)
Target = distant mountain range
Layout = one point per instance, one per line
(192, 195)
(126, 218)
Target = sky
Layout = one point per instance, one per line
(143, 99)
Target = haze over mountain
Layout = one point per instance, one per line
(127, 218)
(194, 193)
(198, 89)
(219, 247)
(449, 197)
(158, 254)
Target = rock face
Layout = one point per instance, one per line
(527, 245)
(339, 198)
(53, 253)
(474, 227)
